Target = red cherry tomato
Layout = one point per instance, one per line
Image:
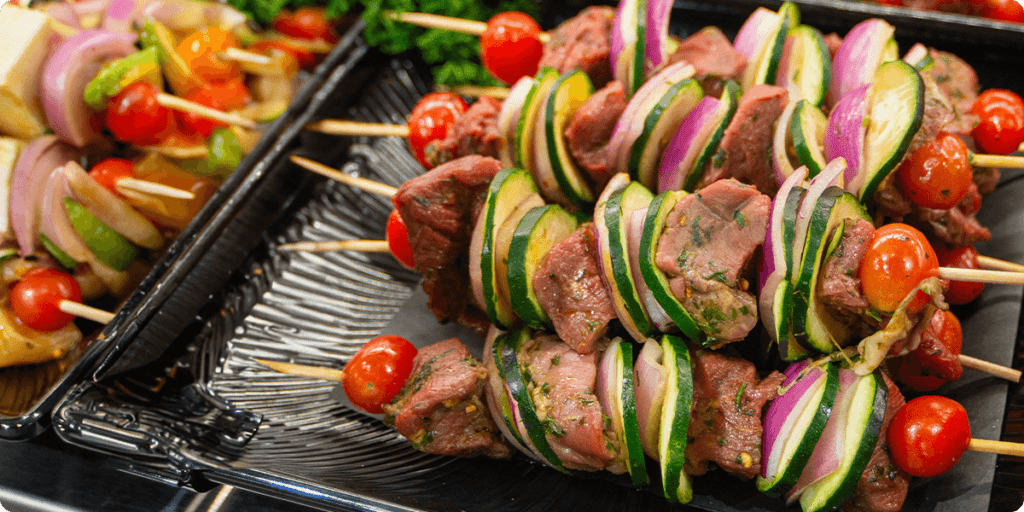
(928, 435)
(1003, 10)
(305, 23)
(223, 96)
(1001, 128)
(135, 116)
(36, 297)
(935, 362)
(108, 172)
(913, 375)
(201, 51)
(377, 373)
(397, 237)
(509, 47)
(432, 119)
(897, 260)
(939, 174)
(960, 292)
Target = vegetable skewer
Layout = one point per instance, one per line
(427, 20)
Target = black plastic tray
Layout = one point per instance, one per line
(172, 293)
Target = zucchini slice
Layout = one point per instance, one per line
(897, 110)
(808, 130)
(493, 349)
(723, 116)
(660, 123)
(532, 106)
(808, 66)
(811, 323)
(538, 231)
(620, 407)
(764, 64)
(507, 191)
(611, 218)
(675, 420)
(790, 349)
(656, 280)
(518, 388)
(566, 96)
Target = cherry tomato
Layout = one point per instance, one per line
(928, 435)
(939, 174)
(432, 119)
(305, 23)
(397, 237)
(1001, 127)
(223, 96)
(509, 47)
(897, 260)
(135, 116)
(960, 292)
(377, 373)
(935, 361)
(36, 297)
(913, 375)
(108, 172)
(201, 51)
(1003, 10)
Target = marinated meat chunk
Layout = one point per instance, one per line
(986, 178)
(883, 486)
(583, 42)
(956, 226)
(708, 241)
(563, 393)
(439, 209)
(746, 149)
(475, 132)
(833, 41)
(441, 409)
(959, 84)
(725, 421)
(570, 290)
(938, 113)
(932, 356)
(590, 130)
(890, 201)
(713, 58)
(840, 286)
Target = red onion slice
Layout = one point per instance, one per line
(773, 254)
(784, 410)
(508, 118)
(859, 56)
(683, 149)
(754, 31)
(780, 157)
(657, 313)
(55, 222)
(844, 136)
(650, 381)
(120, 15)
(623, 39)
(656, 48)
(28, 184)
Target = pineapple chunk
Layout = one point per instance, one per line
(10, 148)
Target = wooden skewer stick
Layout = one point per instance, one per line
(315, 372)
(997, 264)
(374, 187)
(239, 55)
(1000, 161)
(371, 246)
(356, 128)
(87, 312)
(471, 27)
(154, 189)
(981, 276)
(475, 91)
(183, 105)
(990, 368)
(1000, 447)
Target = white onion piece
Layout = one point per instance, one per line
(649, 383)
(28, 184)
(508, 118)
(754, 31)
(844, 136)
(682, 150)
(785, 410)
(828, 453)
(66, 74)
(654, 310)
(859, 56)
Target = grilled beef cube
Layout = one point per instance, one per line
(441, 408)
(745, 152)
(839, 286)
(475, 132)
(883, 486)
(563, 394)
(583, 42)
(986, 178)
(570, 290)
(708, 241)
(938, 113)
(725, 421)
(956, 226)
(590, 130)
(713, 58)
(959, 84)
(439, 209)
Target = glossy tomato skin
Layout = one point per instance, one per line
(938, 174)
(201, 51)
(1003, 10)
(397, 236)
(935, 361)
(107, 172)
(35, 298)
(928, 435)
(305, 23)
(960, 292)
(223, 96)
(509, 47)
(135, 116)
(377, 373)
(1001, 127)
(432, 119)
(897, 260)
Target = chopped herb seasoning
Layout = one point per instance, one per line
(719, 159)
(555, 360)
(717, 276)
(738, 217)
(739, 396)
